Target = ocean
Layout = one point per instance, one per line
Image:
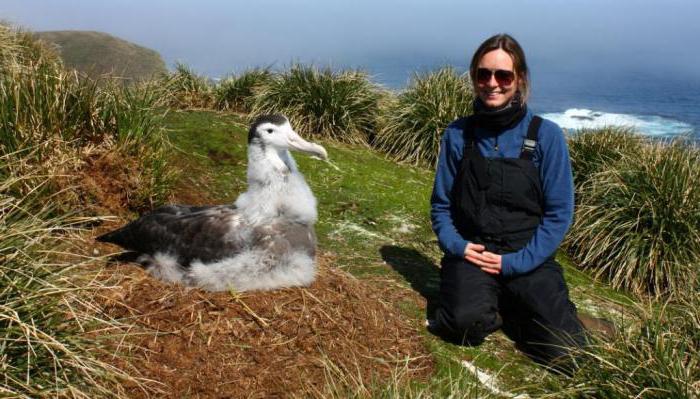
(652, 104)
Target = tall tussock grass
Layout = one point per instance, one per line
(186, 89)
(637, 221)
(343, 105)
(52, 122)
(413, 124)
(592, 150)
(32, 85)
(655, 355)
(37, 105)
(61, 115)
(47, 335)
(236, 92)
(19, 48)
(136, 113)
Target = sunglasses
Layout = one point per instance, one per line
(503, 77)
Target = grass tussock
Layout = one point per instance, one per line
(412, 125)
(655, 355)
(186, 89)
(47, 328)
(38, 105)
(342, 106)
(19, 48)
(637, 221)
(55, 118)
(236, 92)
(137, 113)
(52, 125)
(592, 150)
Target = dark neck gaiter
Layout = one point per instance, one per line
(499, 119)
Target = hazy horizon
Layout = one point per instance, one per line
(216, 37)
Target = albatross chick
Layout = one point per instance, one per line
(265, 240)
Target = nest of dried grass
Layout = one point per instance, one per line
(339, 333)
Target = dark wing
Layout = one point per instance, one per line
(188, 209)
(204, 233)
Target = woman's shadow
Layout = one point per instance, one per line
(419, 270)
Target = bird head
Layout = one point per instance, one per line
(275, 131)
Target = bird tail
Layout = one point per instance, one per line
(113, 237)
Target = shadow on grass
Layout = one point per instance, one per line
(418, 270)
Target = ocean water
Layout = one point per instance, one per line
(651, 103)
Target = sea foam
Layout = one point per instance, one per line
(577, 118)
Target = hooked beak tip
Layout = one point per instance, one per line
(297, 143)
(323, 154)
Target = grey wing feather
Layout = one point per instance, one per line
(189, 233)
(188, 209)
(285, 236)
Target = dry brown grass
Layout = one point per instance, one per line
(262, 344)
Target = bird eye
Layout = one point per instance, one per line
(269, 130)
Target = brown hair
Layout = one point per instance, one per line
(511, 46)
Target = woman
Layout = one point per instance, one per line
(502, 201)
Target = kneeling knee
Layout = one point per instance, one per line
(474, 324)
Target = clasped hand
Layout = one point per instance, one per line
(485, 260)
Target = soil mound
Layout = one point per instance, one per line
(338, 333)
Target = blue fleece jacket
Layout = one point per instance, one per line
(552, 160)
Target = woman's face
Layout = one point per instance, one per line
(492, 84)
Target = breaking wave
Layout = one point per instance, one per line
(650, 125)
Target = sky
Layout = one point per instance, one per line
(216, 37)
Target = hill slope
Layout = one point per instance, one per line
(97, 53)
(374, 223)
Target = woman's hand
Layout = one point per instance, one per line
(485, 260)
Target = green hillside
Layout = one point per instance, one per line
(97, 53)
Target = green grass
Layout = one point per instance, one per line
(51, 121)
(32, 86)
(656, 354)
(374, 222)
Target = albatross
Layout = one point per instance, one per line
(265, 240)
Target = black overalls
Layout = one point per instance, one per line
(499, 203)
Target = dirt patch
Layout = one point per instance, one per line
(107, 180)
(266, 344)
(110, 184)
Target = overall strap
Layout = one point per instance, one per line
(472, 160)
(470, 149)
(530, 142)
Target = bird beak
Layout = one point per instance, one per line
(299, 144)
